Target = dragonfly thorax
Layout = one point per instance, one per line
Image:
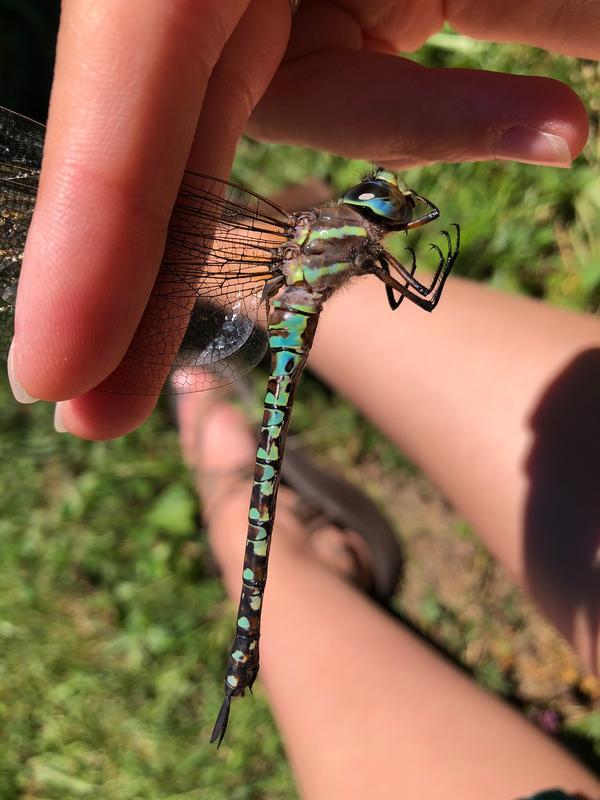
(330, 245)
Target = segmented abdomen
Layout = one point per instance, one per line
(292, 324)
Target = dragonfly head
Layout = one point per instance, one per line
(383, 199)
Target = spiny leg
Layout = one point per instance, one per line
(409, 275)
(272, 286)
(395, 302)
(450, 261)
(421, 288)
(440, 277)
(445, 265)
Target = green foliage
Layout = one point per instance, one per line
(587, 726)
(113, 638)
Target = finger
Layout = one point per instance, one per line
(408, 114)
(383, 25)
(244, 69)
(129, 82)
(572, 28)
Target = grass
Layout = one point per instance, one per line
(113, 635)
(113, 631)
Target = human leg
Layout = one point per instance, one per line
(496, 397)
(364, 707)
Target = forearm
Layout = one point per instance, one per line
(490, 395)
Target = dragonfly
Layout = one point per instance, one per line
(239, 275)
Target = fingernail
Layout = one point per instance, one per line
(59, 425)
(18, 391)
(532, 147)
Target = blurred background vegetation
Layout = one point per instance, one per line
(113, 629)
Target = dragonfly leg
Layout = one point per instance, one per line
(272, 286)
(394, 301)
(418, 295)
(451, 254)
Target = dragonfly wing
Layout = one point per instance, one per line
(205, 319)
(219, 346)
(21, 142)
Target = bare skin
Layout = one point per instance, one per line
(495, 397)
(139, 90)
(402, 722)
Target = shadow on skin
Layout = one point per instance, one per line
(562, 515)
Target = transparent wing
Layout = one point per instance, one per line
(21, 142)
(205, 318)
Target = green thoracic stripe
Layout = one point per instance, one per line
(338, 233)
(312, 274)
(302, 307)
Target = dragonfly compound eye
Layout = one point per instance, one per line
(382, 200)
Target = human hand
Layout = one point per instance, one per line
(113, 160)
(342, 89)
(139, 89)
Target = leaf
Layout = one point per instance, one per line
(588, 726)
(173, 511)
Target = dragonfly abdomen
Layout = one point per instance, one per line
(293, 321)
